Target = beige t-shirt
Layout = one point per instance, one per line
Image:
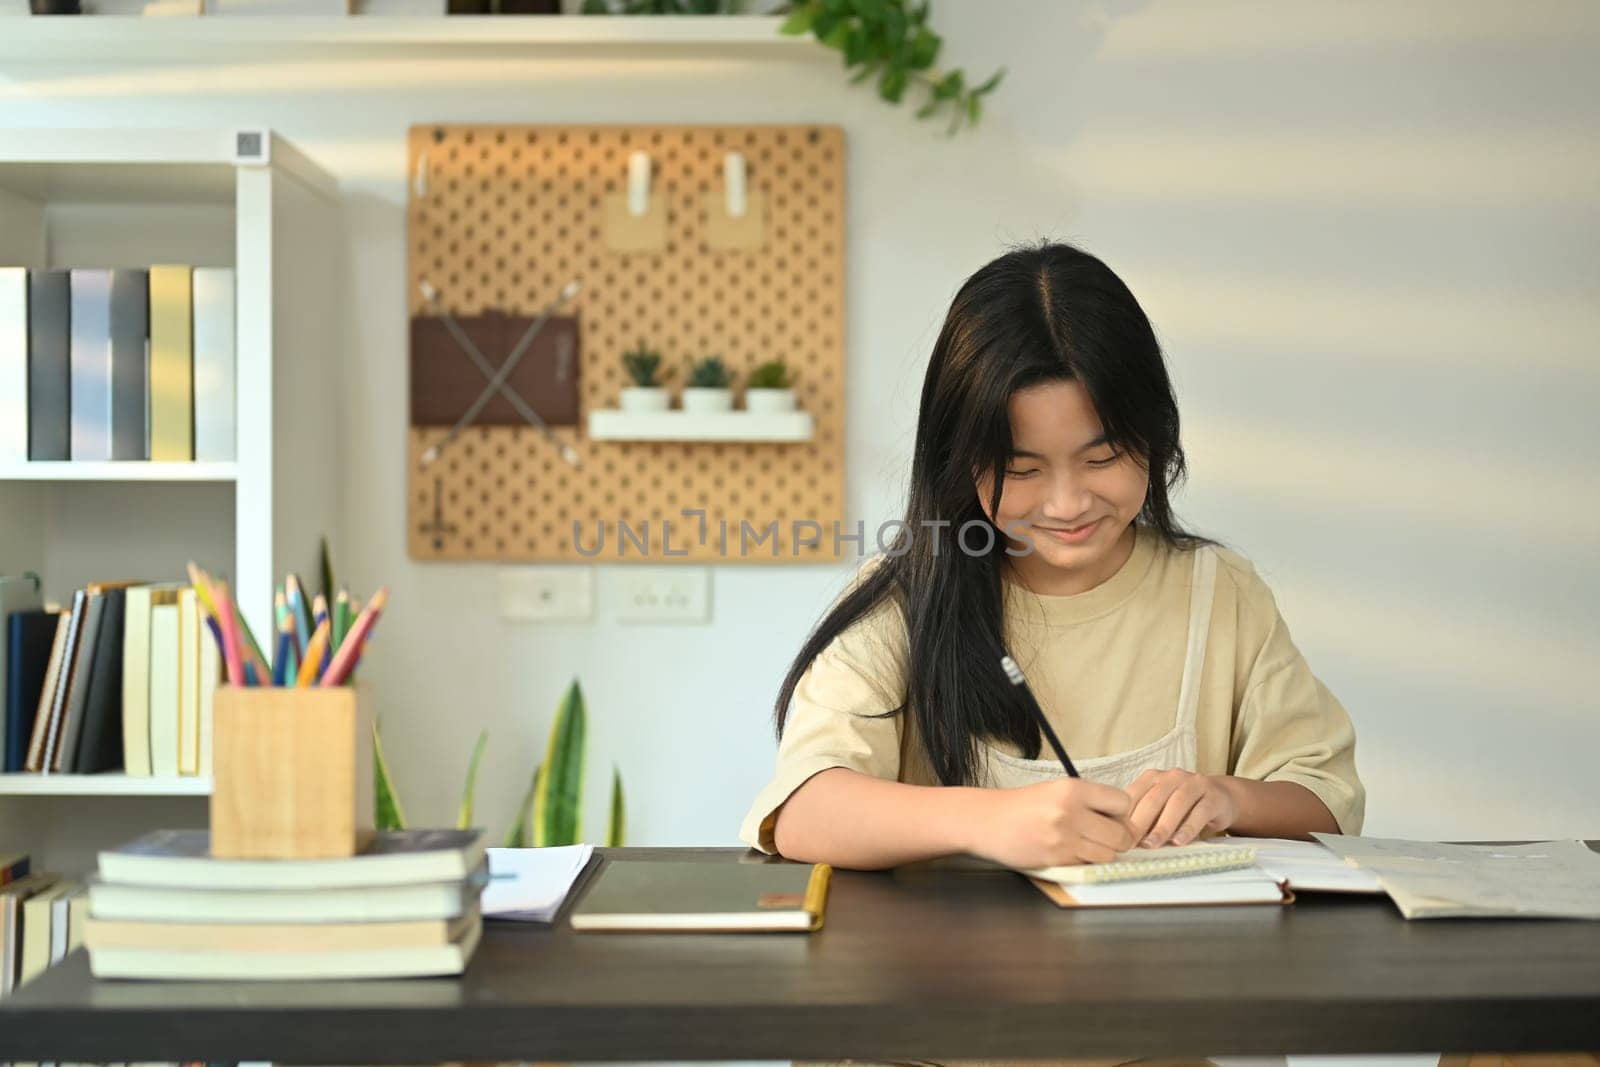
(1105, 666)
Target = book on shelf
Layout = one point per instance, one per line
(13, 896)
(13, 363)
(89, 409)
(119, 364)
(29, 638)
(114, 684)
(19, 593)
(49, 365)
(171, 363)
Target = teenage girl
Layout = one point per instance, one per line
(1039, 526)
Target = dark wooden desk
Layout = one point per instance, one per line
(917, 964)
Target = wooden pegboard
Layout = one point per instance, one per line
(500, 217)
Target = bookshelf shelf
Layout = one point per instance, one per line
(117, 472)
(131, 38)
(101, 785)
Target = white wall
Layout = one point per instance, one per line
(1365, 232)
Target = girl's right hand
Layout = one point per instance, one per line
(1062, 821)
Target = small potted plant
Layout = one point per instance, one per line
(769, 392)
(646, 393)
(709, 388)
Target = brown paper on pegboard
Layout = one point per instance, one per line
(500, 218)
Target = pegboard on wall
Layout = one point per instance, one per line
(501, 217)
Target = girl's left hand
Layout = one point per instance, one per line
(1176, 806)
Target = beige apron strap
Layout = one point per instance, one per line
(1201, 594)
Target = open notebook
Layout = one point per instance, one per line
(1171, 875)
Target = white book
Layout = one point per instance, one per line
(214, 375)
(222, 965)
(188, 683)
(164, 690)
(136, 674)
(13, 363)
(90, 411)
(398, 903)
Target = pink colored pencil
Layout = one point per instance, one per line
(344, 660)
(228, 622)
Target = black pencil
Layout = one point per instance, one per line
(1014, 673)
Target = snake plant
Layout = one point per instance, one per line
(551, 811)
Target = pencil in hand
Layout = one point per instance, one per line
(1014, 673)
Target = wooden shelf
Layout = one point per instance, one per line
(216, 38)
(126, 471)
(609, 425)
(101, 785)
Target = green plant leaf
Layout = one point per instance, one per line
(928, 109)
(328, 587)
(822, 25)
(949, 87)
(839, 36)
(924, 49)
(892, 84)
(517, 836)
(558, 799)
(389, 815)
(866, 72)
(464, 815)
(619, 819)
(988, 86)
(799, 20)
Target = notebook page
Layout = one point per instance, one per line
(1307, 865)
(1165, 862)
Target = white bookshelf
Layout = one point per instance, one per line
(221, 37)
(100, 198)
(100, 785)
(129, 471)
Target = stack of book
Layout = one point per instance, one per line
(121, 681)
(41, 920)
(407, 905)
(117, 364)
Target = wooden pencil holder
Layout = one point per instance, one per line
(292, 772)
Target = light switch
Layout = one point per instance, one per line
(547, 594)
(663, 594)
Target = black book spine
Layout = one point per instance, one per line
(49, 364)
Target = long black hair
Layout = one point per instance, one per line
(1041, 313)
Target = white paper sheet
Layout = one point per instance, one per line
(1427, 879)
(530, 884)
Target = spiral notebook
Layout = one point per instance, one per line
(1171, 875)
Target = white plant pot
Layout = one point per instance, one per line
(769, 401)
(707, 401)
(640, 399)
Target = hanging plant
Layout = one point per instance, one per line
(888, 40)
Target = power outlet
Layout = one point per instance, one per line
(547, 594)
(663, 594)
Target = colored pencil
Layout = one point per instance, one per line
(313, 658)
(230, 636)
(344, 661)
